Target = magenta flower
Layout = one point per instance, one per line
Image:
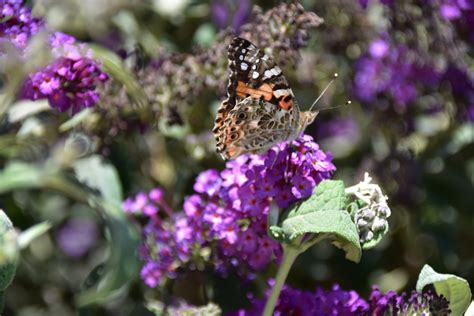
(17, 25)
(228, 211)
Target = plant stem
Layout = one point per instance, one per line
(289, 255)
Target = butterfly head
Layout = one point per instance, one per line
(306, 118)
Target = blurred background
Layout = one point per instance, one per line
(407, 66)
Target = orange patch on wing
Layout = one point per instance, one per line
(264, 90)
(285, 105)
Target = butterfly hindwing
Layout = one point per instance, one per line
(253, 126)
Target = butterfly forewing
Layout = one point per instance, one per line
(256, 84)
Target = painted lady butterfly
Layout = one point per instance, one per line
(260, 110)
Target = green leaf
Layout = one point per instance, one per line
(8, 252)
(122, 265)
(27, 236)
(122, 262)
(455, 289)
(77, 119)
(160, 309)
(336, 225)
(328, 195)
(324, 213)
(17, 175)
(25, 108)
(100, 176)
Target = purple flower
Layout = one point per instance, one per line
(68, 84)
(348, 303)
(17, 25)
(77, 236)
(450, 11)
(156, 194)
(208, 182)
(311, 303)
(379, 48)
(302, 186)
(70, 81)
(455, 9)
(414, 303)
(227, 214)
(389, 72)
(231, 13)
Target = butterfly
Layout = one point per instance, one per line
(260, 110)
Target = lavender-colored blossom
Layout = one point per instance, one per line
(228, 212)
(414, 303)
(231, 13)
(390, 72)
(17, 23)
(70, 81)
(311, 303)
(348, 303)
(76, 237)
(455, 9)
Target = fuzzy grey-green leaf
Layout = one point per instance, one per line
(455, 289)
(8, 251)
(99, 175)
(334, 224)
(328, 195)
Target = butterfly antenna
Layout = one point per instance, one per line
(324, 91)
(336, 106)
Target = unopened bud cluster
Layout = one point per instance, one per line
(371, 218)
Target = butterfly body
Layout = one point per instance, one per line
(260, 110)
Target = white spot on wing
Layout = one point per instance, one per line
(281, 92)
(276, 70)
(255, 75)
(267, 74)
(244, 66)
(241, 57)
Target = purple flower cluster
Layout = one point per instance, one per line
(70, 81)
(396, 74)
(147, 204)
(392, 73)
(17, 23)
(231, 13)
(453, 10)
(348, 303)
(311, 303)
(414, 303)
(228, 212)
(163, 247)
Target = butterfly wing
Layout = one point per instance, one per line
(255, 81)
(254, 126)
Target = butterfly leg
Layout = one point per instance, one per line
(277, 152)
